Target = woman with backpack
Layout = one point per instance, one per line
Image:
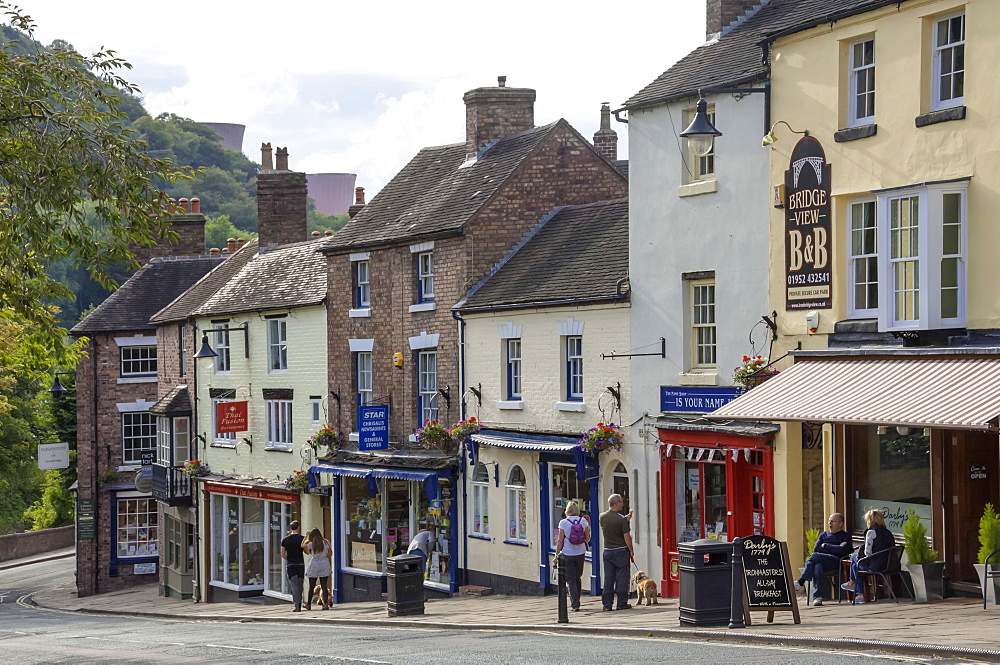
(571, 545)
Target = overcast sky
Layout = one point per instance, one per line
(359, 87)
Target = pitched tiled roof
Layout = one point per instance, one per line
(205, 288)
(292, 275)
(736, 57)
(432, 194)
(150, 288)
(579, 252)
(176, 402)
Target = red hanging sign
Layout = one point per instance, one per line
(231, 417)
(251, 492)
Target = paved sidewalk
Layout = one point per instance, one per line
(956, 627)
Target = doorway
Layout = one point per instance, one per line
(970, 468)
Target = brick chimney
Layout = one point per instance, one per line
(605, 138)
(281, 201)
(493, 113)
(720, 13)
(359, 202)
(188, 223)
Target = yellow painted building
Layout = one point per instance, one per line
(882, 268)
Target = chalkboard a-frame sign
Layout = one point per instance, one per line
(767, 578)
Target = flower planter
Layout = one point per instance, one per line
(991, 584)
(926, 581)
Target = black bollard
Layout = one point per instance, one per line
(561, 582)
(736, 602)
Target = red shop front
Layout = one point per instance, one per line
(716, 482)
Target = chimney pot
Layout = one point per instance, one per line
(359, 196)
(328, 233)
(501, 81)
(183, 206)
(231, 244)
(265, 157)
(171, 206)
(316, 234)
(240, 242)
(214, 251)
(605, 138)
(281, 159)
(196, 206)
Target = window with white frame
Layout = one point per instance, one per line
(922, 240)
(861, 109)
(182, 348)
(277, 345)
(138, 435)
(362, 292)
(173, 440)
(699, 167)
(517, 506)
(138, 360)
(316, 409)
(364, 379)
(703, 334)
(425, 277)
(480, 501)
(427, 398)
(574, 368)
(862, 270)
(136, 530)
(222, 356)
(948, 66)
(278, 422)
(221, 438)
(513, 369)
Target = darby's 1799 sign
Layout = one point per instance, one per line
(808, 282)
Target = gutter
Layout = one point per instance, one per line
(762, 75)
(551, 303)
(829, 18)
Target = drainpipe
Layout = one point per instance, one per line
(462, 463)
(193, 487)
(96, 487)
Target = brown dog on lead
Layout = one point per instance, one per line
(644, 588)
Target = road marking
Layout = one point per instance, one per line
(344, 658)
(223, 646)
(119, 639)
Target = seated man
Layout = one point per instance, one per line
(830, 548)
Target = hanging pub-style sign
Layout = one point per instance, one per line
(808, 281)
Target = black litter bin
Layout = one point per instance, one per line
(706, 580)
(405, 585)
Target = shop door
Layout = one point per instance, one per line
(971, 481)
(701, 500)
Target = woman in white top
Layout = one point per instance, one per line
(319, 566)
(573, 553)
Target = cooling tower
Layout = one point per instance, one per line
(333, 192)
(231, 133)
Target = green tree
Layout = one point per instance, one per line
(218, 231)
(64, 140)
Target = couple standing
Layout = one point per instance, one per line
(617, 537)
(293, 548)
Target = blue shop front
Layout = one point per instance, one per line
(379, 503)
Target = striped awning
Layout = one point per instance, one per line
(959, 393)
(515, 442)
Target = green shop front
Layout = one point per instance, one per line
(379, 503)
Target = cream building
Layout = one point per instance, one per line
(538, 332)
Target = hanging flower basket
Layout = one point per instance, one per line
(328, 437)
(298, 481)
(433, 435)
(463, 429)
(195, 469)
(601, 437)
(754, 371)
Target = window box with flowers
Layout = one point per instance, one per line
(196, 469)
(298, 481)
(754, 371)
(602, 437)
(328, 438)
(433, 435)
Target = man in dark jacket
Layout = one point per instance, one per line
(830, 548)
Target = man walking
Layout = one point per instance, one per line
(615, 531)
(830, 548)
(295, 563)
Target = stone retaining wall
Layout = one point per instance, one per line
(17, 545)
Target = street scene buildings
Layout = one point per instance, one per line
(738, 338)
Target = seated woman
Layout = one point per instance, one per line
(877, 539)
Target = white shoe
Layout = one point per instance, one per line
(799, 588)
(818, 602)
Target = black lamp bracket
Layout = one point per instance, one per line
(661, 353)
(244, 328)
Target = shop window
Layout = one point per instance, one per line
(861, 104)
(238, 541)
(863, 261)
(480, 501)
(891, 472)
(279, 515)
(277, 345)
(138, 436)
(222, 349)
(137, 527)
(948, 67)
(700, 500)
(566, 486)
(138, 361)
(363, 512)
(517, 507)
(178, 552)
(435, 515)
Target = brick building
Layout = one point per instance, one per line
(394, 272)
(116, 434)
